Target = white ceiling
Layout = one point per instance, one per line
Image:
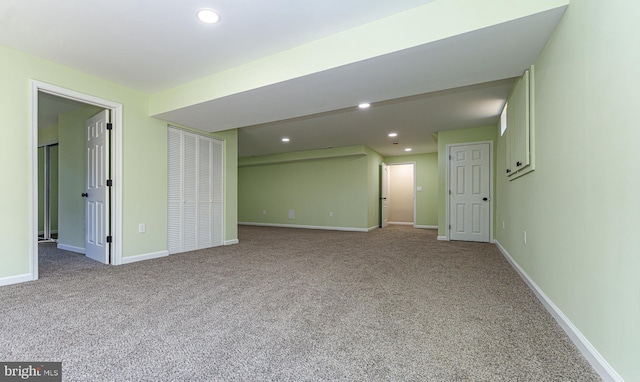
(151, 46)
(415, 119)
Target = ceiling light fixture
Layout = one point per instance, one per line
(285, 139)
(407, 149)
(393, 135)
(208, 16)
(364, 105)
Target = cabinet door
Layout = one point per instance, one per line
(195, 184)
(218, 193)
(518, 136)
(205, 195)
(174, 191)
(521, 133)
(190, 193)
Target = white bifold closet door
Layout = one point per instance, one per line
(194, 191)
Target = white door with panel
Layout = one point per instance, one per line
(470, 192)
(97, 192)
(195, 191)
(384, 195)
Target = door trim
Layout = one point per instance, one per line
(415, 183)
(446, 188)
(116, 166)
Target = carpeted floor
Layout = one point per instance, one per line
(394, 304)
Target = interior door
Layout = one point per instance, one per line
(97, 193)
(384, 195)
(470, 187)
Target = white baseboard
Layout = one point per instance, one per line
(401, 223)
(328, 228)
(71, 248)
(375, 227)
(231, 242)
(145, 256)
(15, 279)
(602, 367)
(443, 238)
(426, 226)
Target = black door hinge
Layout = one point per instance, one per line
(109, 183)
(109, 239)
(109, 126)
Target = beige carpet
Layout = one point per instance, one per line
(291, 305)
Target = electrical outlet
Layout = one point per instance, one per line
(264, 212)
(142, 228)
(331, 214)
(292, 214)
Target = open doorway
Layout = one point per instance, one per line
(398, 194)
(68, 163)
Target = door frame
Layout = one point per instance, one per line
(384, 193)
(415, 182)
(447, 189)
(116, 166)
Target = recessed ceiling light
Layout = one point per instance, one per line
(208, 16)
(393, 134)
(285, 139)
(407, 149)
(364, 105)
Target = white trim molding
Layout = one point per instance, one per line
(375, 227)
(426, 226)
(602, 367)
(328, 228)
(116, 165)
(443, 238)
(491, 185)
(401, 223)
(15, 279)
(231, 242)
(145, 256)
(71, 248)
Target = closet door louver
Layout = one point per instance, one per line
(217, 192)
(174, 191)
(195, 192)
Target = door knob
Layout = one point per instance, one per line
(84, 195)
(485, 199)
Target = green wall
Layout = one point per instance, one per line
(445, 138)
(230, 138)
(144, 160)
(313, 183)
(580, 207)
(345, 181)
(427, 178)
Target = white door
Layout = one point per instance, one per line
(97, 200)
(384, 195)
(470, 192)
(195, 192)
